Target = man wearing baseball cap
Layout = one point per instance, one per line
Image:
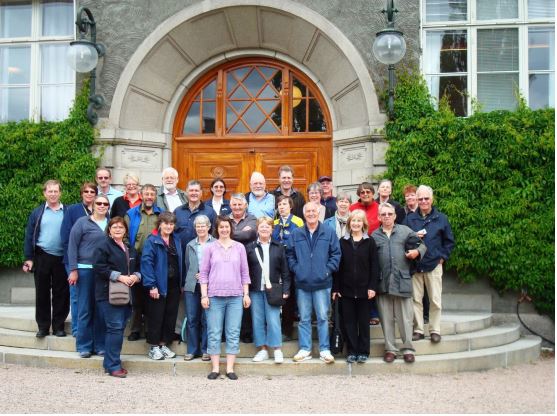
(328, 199)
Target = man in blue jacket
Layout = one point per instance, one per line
(313, 254)
(44, 251)
(434, 229)
(186, 213)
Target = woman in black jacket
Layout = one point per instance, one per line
(266, 257)
(355, 283)
(114, 261)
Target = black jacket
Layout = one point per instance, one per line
(278, 267)
(399, 210)
(359, 268)
(119, 208)
(111, 261)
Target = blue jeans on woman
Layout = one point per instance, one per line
(320, 300)
(196, 325)
(224, 311)
(116, 318)
(266, 321)
(90, 322)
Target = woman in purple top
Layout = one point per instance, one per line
(224, 280)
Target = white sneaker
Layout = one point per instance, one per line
(279, 357)
(155, 353)
(167, 352)
(261, 355)
(327, 357)
(302, 355)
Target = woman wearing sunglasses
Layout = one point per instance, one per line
(86, 235)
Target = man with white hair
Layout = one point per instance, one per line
(435, 231)
(260, 202)
(170, 197)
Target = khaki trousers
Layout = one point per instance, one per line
(433, 281)
(396, 309)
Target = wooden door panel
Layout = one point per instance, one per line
(304, 164)
(233, 167)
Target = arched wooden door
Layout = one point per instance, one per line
(252, 115)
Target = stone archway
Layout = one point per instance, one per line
(208, 33)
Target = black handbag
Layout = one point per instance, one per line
(336, 340)
(274, 295)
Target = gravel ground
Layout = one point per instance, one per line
(528, 388)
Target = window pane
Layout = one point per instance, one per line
(14, 104)
(446, 51)
(15, 18)
(497, 91)
(299, 116)
(496, 9)
(316, 119)
(15, 64)
(56, 101)
(541, 48)
(541, 8)
(209, 92)
(454, 88)
(498, 50)
(191, 126)
(209, 111)
(57, 17)
(54, 69)
(445, 10)
(542, 91)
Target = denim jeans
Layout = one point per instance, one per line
(73, 304)
(266, 321)
(196, 326)
(225, 310)
(116, 318)
(319, 300)
(90, 321)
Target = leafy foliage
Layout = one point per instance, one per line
(493, 175)
(33, 153)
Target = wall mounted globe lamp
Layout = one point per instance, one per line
(389, 48)
(83, 56)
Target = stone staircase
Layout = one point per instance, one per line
(470, 343)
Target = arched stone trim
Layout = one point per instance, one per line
(145, 98)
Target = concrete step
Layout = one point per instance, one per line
(452, 322)
(523, 350)
(484, 338)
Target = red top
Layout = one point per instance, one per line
(372, 214)
(133, 204)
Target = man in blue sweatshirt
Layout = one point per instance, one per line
(313, 253)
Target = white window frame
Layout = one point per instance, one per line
(35, 41)
(472, 25)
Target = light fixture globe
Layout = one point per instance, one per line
(82, 56)
(389, 46)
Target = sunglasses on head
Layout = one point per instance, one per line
(104, 204)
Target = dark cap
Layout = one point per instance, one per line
(324, 178)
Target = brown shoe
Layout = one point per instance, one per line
(409, 357)
(435, 338)
(205, 357)
(416, 336)
(389, 357)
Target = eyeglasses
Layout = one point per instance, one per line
(365, 191)
(218, 187)
(103, 204)
(131, 185)
(103, 177)
(424, 199)
(89, 191)
(387, 214)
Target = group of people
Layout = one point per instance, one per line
(246, 268)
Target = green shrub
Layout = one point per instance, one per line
(31, 154)
(493, 175)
